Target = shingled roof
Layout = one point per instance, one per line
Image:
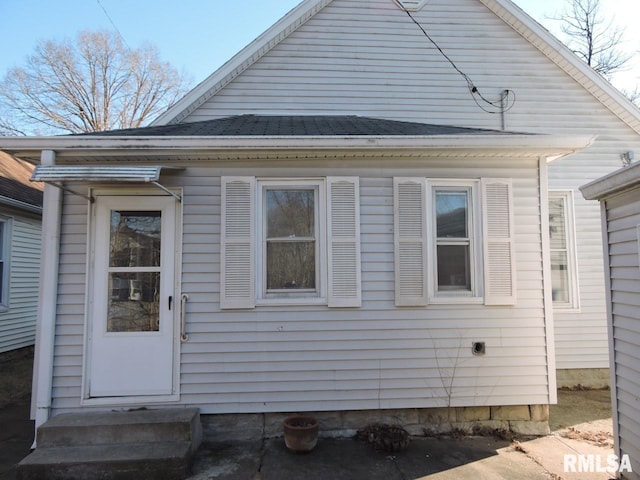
(15, 184)
(298, 125)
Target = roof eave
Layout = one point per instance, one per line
(612, 184)
(541, 145)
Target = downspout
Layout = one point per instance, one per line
(48, 299)
(552, 383)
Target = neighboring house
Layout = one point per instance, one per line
(20, 231)
(619, 196)
(336, 221)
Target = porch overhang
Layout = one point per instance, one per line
(58, 175)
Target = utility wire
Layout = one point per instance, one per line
(500, 105)
(114, 25)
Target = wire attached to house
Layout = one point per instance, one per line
(501, 106)
(114, 25)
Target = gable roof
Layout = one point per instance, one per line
(15, 188)
(506, 10)
(299, 126)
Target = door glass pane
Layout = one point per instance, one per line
(454, 267)
(290, 213)
(135, 239)
(451, 214)
(134, 302)
(291, 265)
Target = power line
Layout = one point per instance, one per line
(502, 105)
(114, 25)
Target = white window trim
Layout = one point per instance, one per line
(476, 296)
(6, 257)
(573, 305)
(319, 297)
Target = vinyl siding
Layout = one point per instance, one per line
(374, 61)
(623, 218)
(18, 321)
(296, 358)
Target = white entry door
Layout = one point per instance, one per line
(132, 322)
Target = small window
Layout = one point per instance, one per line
(564, 278)
(291, 245)
(4, 263)
(291, 240)
(453, 240)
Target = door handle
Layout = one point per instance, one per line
(183, 320)
(170, 301)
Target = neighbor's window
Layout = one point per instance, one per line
(4, 263)
(453, 240)
(290, 260)
(564, 281)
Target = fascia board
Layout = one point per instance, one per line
(562, 56)
(548, 145)
(613, 183)
(241, 61)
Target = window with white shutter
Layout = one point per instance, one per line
(290, 241)
(237, 243)
(410, 241)
(453, 241)
(499, 244)
(343, 234)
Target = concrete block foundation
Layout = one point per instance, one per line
(516, 419)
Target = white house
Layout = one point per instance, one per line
(20, 230)
(619, 196)
(351, 215)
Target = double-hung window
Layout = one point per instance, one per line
(564, 278)
(454, 241)
(4, 262)
(289, 260)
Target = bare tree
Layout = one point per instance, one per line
(593, 37)
(94, 84)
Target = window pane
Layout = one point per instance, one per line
(291, 265)
(559, 277)
(135, 239)
(557, 229)
(290, 213)
(133, 302)
(451, 214)
(454, 267)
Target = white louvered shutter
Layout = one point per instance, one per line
(499, 244)
(237, 243)
(410, 241)
(343, 234)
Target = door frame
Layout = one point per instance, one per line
(140, 191)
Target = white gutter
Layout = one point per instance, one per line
(549, 144)
(13, 203)
(47, 305)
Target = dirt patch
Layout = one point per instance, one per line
(16, 371)
(579, 406)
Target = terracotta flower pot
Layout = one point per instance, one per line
(300, 433)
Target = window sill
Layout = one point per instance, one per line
(278, 302)
(567, 309)
(453, 300)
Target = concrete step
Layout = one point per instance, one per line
(139, 444)
(107, 428)
(140, 461)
